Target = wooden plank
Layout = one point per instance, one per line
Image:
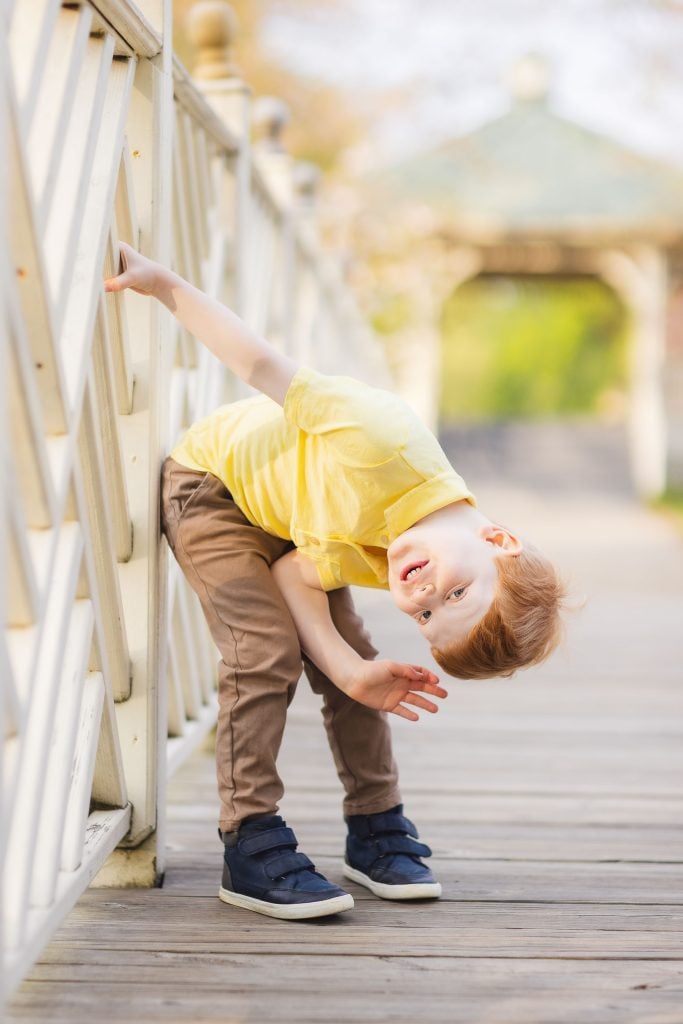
(175, 717)
(116, 336)
(91, 221)
(64, 59)
(186, 659)
(193, 103)
(393, 990)
(505, 842)
(23, 597)
(178, 748)
(29, 785)
(460, 808)
(366, 989)
(76, 814)
(105, 830)
(109, 784)
(31, 283)
(196, 215)
(197, 873)
(185, 255)
(62, 753)
(30, 29)
(129, 22)
(105, 414)
(71, 190)
(25, 418)
(104, 590)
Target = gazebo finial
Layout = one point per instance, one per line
(529, 79)
(212, 25)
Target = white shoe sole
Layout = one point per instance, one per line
(288, 911)
(414, 891)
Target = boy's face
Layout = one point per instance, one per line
(442, 572)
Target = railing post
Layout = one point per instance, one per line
(306, 290)
(271, 116)
(212, 26)
(4, 516)
(139, 861)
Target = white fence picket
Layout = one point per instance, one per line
(106, 649)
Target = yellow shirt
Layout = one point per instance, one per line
(341, 470)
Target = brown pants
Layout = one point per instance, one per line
(227, 562)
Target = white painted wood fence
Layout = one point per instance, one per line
(107, 667)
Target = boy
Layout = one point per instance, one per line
(273, 506)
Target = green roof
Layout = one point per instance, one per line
(533, 173)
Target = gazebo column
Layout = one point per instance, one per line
(419, 360)
(639, 276)
(673, 373)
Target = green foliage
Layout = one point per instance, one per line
(670, 504)
(531, 347)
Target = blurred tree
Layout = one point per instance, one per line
(323, 121)
(530, 346)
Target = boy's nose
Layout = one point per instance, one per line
(423, 591)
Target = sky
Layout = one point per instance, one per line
(433, 69)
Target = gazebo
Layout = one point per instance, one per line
(533, 193)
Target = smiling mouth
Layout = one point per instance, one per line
(413, 569)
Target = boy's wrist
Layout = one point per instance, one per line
(165, 281)
(346, 670)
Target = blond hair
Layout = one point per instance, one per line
(522, 626)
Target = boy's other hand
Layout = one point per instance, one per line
(137, 272)
(390, 686)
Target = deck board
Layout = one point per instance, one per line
(553, 803)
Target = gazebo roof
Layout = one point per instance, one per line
(533, 174)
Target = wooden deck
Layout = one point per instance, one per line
(553, 801)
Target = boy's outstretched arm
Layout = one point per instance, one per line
(382, 684)
(249, 356)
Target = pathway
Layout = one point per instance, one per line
(553, 802)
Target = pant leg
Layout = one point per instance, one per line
(227, 562)
(359, 737)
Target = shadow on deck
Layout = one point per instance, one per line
(552, 801)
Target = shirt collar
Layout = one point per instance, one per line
(428, 497)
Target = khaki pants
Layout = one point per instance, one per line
(227, 562)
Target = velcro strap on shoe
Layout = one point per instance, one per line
(287, 862)
(269, 839)
(401, 844)
(384, 822)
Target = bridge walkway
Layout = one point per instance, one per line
(553, 803)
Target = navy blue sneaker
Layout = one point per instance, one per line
(383, 854)
(263, 872)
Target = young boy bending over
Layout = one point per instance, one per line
(273, 506)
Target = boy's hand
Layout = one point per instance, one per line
(389, 686)
(137, 272)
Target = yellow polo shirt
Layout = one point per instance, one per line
(341, 470)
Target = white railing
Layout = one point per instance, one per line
(108, 670)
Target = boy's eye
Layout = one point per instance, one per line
(456, 594)
(423, 616)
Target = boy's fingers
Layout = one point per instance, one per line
(435, 691)
(122, 278)
(425, 673)
(405, 713)
(416, 672)
(421, 702)
(117, 284)
(125, 251)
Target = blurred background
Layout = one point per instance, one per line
(506, 182)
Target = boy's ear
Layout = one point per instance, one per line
(501, 538)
